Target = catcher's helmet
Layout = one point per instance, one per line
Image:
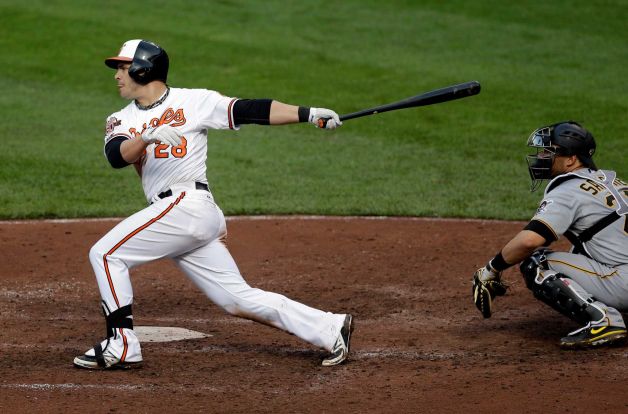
(148, 60)
(564, 138)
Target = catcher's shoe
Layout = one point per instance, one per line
(97, 358)
(340, 351)
(593, 336)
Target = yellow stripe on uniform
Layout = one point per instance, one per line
(614, 273)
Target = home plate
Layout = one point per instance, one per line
(166, 334)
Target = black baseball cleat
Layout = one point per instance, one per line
(340, 351)
(594, 336)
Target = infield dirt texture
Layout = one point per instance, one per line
(419, 345)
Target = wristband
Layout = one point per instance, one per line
(498, 263)
(304, 114)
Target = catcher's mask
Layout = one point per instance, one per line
(564, 138)
(149, 62)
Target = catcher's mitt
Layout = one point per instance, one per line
(485, 292)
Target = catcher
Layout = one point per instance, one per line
(589, 207)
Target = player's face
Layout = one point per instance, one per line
(127, 87)
(562, 164)
(557, 161)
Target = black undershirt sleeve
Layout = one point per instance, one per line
(252, 111)
(112, 151)
(541, 229)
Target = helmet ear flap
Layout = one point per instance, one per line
(141, 73)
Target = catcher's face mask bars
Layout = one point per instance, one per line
(540, 164)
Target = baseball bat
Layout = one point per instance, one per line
(449, 93)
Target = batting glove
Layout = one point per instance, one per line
(164, 134)
(324, 118)
(486, 286)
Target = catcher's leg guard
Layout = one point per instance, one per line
(562, 293)
(603, 325)
(531, 267)
(567, 297)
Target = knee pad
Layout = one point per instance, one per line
(532, 266)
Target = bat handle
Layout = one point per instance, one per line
(322, 122)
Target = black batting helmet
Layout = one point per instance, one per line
(565, 138)
(148, 60)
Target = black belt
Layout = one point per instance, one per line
(199, 186)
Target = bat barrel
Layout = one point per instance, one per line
(449, 93)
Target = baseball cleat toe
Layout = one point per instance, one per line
(340, 351)
(90, 362)
(594, 336)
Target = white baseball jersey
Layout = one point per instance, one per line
(192, 112)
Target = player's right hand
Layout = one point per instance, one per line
(486, 286)
(164, 134)
(324, 118)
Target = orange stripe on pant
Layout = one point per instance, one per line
(130, 235)
(117, 246)
(126, 345)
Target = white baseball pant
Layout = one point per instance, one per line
(188, 227)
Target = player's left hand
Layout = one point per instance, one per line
(324, 118)
(487, 285)
(164, 134)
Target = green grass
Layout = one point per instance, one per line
(538, 62)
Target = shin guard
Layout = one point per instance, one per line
(567, 297)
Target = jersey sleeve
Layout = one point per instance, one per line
(215, 110)
(557, 211)
(114, 127)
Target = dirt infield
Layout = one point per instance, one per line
(419, 345)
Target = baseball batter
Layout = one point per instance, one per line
(587, 205)
(163, 133)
